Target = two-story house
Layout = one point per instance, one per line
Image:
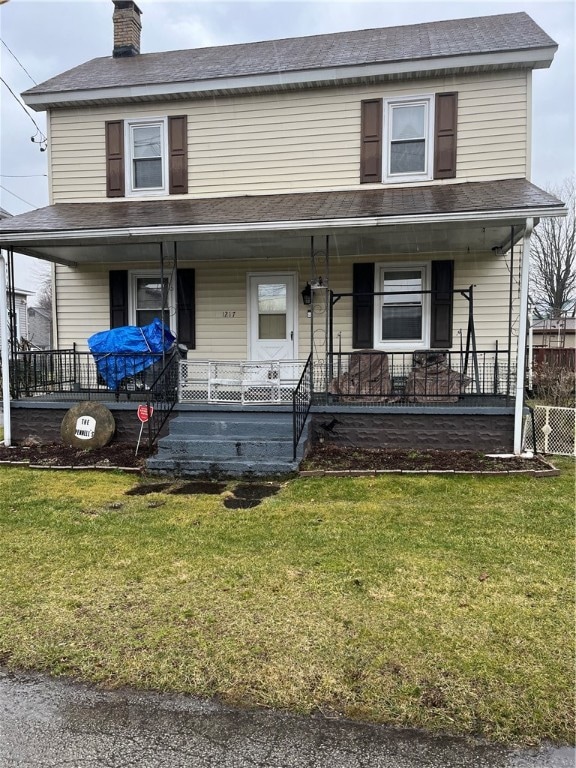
(286, 206)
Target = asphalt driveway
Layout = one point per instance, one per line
(46, 723)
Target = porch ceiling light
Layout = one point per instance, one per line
(307, 294)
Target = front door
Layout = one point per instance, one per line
(272, 326)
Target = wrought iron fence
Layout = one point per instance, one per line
(64, 374)
(301, 402)
(427, 377)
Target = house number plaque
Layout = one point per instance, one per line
(229, 313)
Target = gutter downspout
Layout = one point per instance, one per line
(522, 329)
(5, 363)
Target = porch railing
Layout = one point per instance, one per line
(162, 396)
(301, 402)
(402, 378)
(238, 382)
(67, 374)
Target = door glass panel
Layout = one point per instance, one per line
(272, 310)
(272, 297)
(271, 327)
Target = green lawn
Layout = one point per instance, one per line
(445, 603)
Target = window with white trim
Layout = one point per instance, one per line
(402, 317)
(408, 132)
(147, 151)
(151, 297)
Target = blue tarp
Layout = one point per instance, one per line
(124, 352)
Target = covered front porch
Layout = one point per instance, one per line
(329, 263)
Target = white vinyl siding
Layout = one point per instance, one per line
(295, 141)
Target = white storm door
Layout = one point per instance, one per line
(272, 327)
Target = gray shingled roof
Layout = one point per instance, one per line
(439, 39)
(507, 195)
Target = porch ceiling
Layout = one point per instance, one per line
(455, 239)
(436, 218)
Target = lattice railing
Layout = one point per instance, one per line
(239, 382)
(555, 430)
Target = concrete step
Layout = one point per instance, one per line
(221, 468)
(180, 448)
(256, 426)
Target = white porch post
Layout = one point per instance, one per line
(4, 342)
(522, 328)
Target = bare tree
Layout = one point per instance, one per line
(43, 298)
(553, 259)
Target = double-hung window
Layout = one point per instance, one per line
(408, 130)
(151, 297)
(402, 321)
(146, 156)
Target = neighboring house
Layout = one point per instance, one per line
(304, 199)
(17, 301)
(554, 333)
(39, 328)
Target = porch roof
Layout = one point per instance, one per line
(47, 232)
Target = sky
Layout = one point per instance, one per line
(42, 38)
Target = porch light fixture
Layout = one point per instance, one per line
(307, 294)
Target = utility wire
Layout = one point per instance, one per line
(25, 111)
(18, 196)
(22, 175)
(18, 61)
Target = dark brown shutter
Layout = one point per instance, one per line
(446, 119)
(442, 303)
(186, 298)
(363, 306)
(115, 158)
(178, 151)
(371, 141)
(118, 280)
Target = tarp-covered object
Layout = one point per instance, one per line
(124, 352)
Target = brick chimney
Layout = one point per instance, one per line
(127, 27)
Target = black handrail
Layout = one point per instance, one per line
(162, 396)
(301, 402)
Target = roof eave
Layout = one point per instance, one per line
(534, 58)
(59, 236)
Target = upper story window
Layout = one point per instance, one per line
(408, 138)
(146, 156)
(408, 130)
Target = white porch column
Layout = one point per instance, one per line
(522, 329)
(4, 342)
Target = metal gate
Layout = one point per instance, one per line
(555, 430)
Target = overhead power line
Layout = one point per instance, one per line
(18, 196)
(22, 175)
(42, 140)
(18, 61)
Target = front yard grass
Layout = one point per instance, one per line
(445, 603)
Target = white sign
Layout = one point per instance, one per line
(85, 427)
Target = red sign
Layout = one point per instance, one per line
(144, 412)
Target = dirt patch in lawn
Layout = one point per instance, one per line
(336, 458)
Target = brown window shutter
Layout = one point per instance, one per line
(178, 151)
(118, 282)
(446, 119)
(363, 306)
(441, 304)
(186, 298)
(371, 141)
(114, 158)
